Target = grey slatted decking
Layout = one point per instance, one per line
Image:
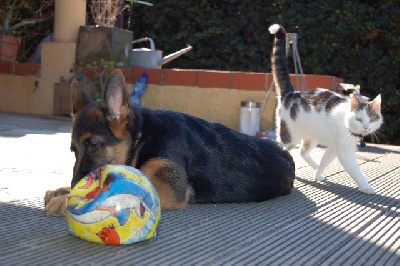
(318, 224)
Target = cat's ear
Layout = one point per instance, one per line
(376, 104)
(355, 103)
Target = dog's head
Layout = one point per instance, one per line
(101, 130)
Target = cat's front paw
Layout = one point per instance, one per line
(367, 190)
(320, 178)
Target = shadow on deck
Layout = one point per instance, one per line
(319, 223)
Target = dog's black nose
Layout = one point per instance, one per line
(79, 173)
(75, 180)
(73, 183)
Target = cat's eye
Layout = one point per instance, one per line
(358, 119)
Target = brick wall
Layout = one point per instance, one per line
(211, 95)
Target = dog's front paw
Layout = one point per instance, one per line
(55, 201)
(367, 190)
(57, 206)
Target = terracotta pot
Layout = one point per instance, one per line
(9, 47)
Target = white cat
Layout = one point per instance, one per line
(321, 117)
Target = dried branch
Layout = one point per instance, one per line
(105, 12)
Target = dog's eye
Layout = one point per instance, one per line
(91, 144)
(87, 143)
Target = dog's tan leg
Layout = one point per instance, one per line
(170, 181)
(55, 201)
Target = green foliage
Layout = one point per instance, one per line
(101, 70)
(7, 28)
(132, 2)
(78, 75)
(357, 40)
(131, 6)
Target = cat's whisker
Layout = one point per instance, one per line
(373, 137)
(377, 135)
(347, 137)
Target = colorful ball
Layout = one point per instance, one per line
(113, 205)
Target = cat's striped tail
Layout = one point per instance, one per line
(280, 70)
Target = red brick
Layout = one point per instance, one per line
(180, 77)
(270, 81)
(336, 84)
(318, 81)
(213, 79)
(248, 81)
(312, 82)
(27, 69)
(155, 76)
(128, 73)
(6, 67)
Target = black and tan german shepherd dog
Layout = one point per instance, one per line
(188, 160)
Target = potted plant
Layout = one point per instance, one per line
(92, 78)
(99, 72)
(104, 40)
(9, 42)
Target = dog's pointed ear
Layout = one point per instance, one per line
(114, 100)
(79, 97)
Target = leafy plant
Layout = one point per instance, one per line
(132, 2)
(77, 75)
(101, 72)
(7, 28)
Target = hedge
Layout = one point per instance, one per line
(355, 40)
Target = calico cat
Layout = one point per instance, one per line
(321, 117)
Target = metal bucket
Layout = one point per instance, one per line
(250, 117)
(150, 57)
